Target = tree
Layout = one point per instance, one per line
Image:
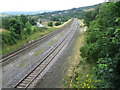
(50, 24)
(102, 43)
(28, 28)
(32, 21)
(58, 23)
(55, 18)
(24, 19)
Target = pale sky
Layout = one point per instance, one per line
(36, 5)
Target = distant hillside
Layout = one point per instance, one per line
(61, 15)
(73, 9)
(45, 12)
(64, 15)
(24, 12)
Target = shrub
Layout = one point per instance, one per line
(50, 24)
(58, 23)
(103, 44)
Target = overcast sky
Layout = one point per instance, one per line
(36, 5)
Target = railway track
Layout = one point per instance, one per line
(26, 81)
(36, 42)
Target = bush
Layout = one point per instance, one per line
(106, 69)
(8, 38)
(103, 43)
(58, 23)
(50, 24)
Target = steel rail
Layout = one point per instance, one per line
(42, 65)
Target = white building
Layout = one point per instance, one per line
(39, 25)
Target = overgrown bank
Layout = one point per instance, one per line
(101, 47)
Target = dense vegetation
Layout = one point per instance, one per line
(50, 24)
(19, 27)
(101, 47)
(58, 23)
(20, 30)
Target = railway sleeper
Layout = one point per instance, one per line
(36, 71)
(34, 74)
(44, 64)
(38, 68)
(31, 75)
(19, 87)
(23, 84)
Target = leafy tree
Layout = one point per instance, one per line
(5, 22)
(58, 23)
(90, 16)
(55, 18)
(102, 43)
(24, 19)
(50, 24)
(28, 28)
(32, 21)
